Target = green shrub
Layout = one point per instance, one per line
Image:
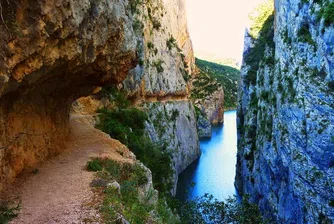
(94, 165)
(116, 97)
(138, 175)
(150, 45)
(158, 65)
(186, 76)
(7, 213)
(130, 177)
(156, 24)
(263, 33)
(305, 35)
(171, 42)
(128, 126)
(265, 95)
(206, 209)
(175, 114)
(327, 12)
(137, 25)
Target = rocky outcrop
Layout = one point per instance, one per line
(160, 80)
(52, 53)
(174, 123)
(213, 106)
(286, 114)
(165, 52)
(208, 97)
(57, 51)
(204, 127)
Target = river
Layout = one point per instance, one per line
(214, 171)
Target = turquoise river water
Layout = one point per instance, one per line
(214, 171)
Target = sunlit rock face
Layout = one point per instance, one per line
(165, 52)
(161, 80)
(53, 52)
(286, 115)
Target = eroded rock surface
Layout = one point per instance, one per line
(286, 116)
(175, 124)
(55, 52)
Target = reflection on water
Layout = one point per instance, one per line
(214, 171)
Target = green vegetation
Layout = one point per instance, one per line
(158, 65)
(206, 209)
(263, 33)
(126, 124)
(127, 201)
(204, 85)
(137, 26)
(327, 12)
(305, 35)
(226, 76)
(175, 114)
(156, 23)
(171, 42)
(259, 17)
(7, 213)
(150, 45)
(94, 165)
(138, 208)
(134, 6)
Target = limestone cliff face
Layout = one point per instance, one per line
(212, 112)
(286, 115)
(165, 52)
(53, 52)
(175, 124)
(208, 96)
(161, 80)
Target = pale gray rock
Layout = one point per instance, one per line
(175, 124)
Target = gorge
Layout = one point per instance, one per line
(128, 69)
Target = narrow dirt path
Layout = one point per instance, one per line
(60, 191)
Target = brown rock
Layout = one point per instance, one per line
(58, 51)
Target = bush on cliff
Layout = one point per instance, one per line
(124, 198)
(127, 124)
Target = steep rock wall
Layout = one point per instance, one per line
(161, 80)
(165, 51)
(208, 97)
(52, 53)
(175, 124)
(286, 115)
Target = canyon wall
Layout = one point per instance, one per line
(285, 122)
(160, 83)
(53, 52)
(174, 123)
(208, 97)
